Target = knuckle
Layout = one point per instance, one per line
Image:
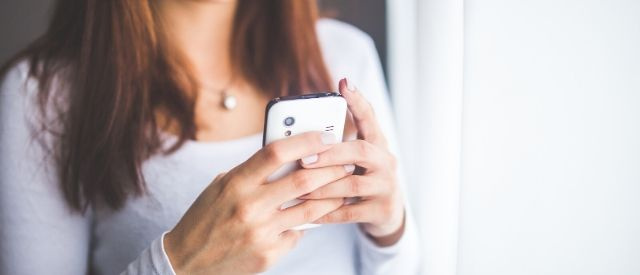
(244, 213)
(365, 148)
(262, 261)
(349, 215)
(274, 153)
(386, 209)
(355, 185)
(301, 181)
(253, 237)
(309, 213)
(229, 191)
(231, 182)
(387, 188)
(219, 177)
(326, 219)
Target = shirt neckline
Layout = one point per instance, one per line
(217, 144)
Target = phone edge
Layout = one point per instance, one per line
(286, 98)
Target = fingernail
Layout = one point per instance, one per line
(310, 159)
(349, 168)
(328, 138)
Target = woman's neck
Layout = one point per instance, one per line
(201, 30)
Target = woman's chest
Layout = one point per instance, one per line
(173, 182)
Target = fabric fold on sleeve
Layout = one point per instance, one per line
(153, 260)
(399, 258)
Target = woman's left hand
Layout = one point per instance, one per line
(380, 209)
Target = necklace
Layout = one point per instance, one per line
(229, 101)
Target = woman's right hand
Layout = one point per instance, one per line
(236, 226)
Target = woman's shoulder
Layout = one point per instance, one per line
(20, 98)
(22, 80)
(18, 94)
(347, 50)
(338, 31)
(344, 41)
(15, 79)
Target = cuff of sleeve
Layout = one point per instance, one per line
(399, 258)
(153, 260)
(369, 246)
(159, 257)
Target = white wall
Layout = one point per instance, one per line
(551, 138)
(426, 80)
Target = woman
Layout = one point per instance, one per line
(115, 124)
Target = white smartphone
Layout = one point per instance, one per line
(290, 115)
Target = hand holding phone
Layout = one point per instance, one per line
(291, 115)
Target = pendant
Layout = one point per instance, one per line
(229, 102)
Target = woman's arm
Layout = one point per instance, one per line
(387, 237)
(39, 234)
(403, 256)
(235, 226)
(352, 54)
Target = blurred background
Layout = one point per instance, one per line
(23, 20)
(519, 123)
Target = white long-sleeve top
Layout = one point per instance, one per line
(39, 234)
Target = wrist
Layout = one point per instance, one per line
(170, 249)
(388, 234)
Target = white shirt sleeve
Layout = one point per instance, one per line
(153, 260)
(39, 233)
(402, 257)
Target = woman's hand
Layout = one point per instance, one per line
(381, 209)
(236, 226)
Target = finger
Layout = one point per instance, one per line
(358, 152)
(351, 186)
(286, 241)
(289, 238)
(264, 162)
(303, 181)
(363, 114)
(306, 212)
(362, 212)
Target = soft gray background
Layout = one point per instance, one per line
(20, 22)
(23, 20)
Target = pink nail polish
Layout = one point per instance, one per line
(310, 159)
(341, 83)
(349, 168)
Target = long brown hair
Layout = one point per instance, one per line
(117, 71)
